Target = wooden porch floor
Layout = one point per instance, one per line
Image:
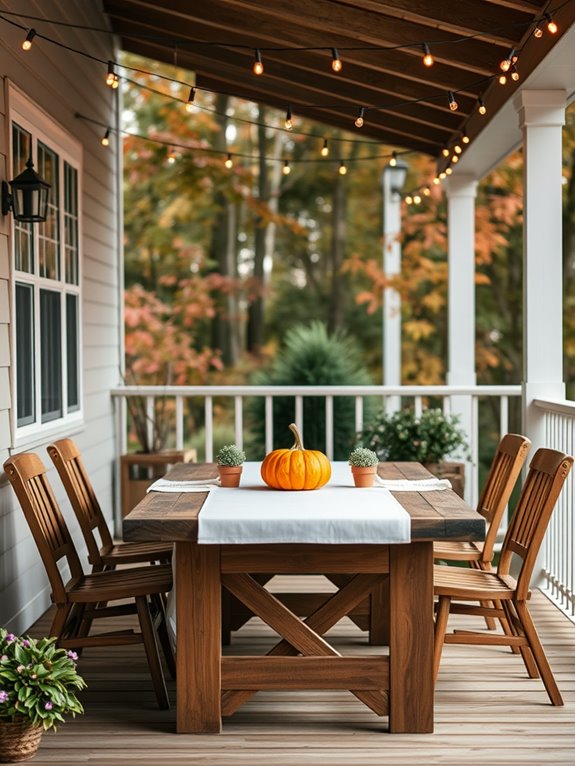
(487, 712)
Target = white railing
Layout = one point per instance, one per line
(388, 395)
(559, 546)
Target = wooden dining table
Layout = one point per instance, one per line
(398, 683)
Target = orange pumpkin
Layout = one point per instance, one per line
(296, 468)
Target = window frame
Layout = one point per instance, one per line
(44, 128)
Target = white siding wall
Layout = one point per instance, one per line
(63, 83)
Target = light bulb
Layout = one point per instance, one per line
(342, 168)
(111, 76)
(453, 105)
(457, 149)
(359, 121)
(229, 163)
(538, 32)
(27, 44)
(258, 67)
(428, 59)
(455, 158)
(552, 27)
(288, 123)
(427, 190)
(445, 151)
(325, 148)
(171, 156)
(416, 199)
(465, 138)
(106, 138)
(409, 200)
(286, 170)
(482, 108)
(190, 102)
(505, 65)
(448, 171)
(336, 64)
(515, 75)
(502, 79)
(393, 160)
(442, 175)
(436, 180)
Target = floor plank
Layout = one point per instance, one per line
(487, 711)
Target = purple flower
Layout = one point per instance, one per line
(3, 696)
(26, 643)
(72, 655)
(48, 706)
(10, 637)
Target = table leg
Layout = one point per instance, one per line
(411, 638)
(198, 655)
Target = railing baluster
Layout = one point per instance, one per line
(239, 421)
(358, 414)
(150, 420)
(504, 416)
(474, 450)
(209, 429)
(179, 422)
(299, 414)
(269, 423)
(418, 404)
(329, 426)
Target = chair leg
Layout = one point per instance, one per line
(538, 653)
(151, 647)
(163, 634)
(485, 567)
(441, 619)
(525, 651)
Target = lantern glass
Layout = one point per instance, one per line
(30, 195)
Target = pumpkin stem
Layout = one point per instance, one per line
(298, 442)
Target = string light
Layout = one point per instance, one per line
(457, 149)
(502, 79)
(538, 32)
(436, 180)
(514, 74)
(445, 151)
(325, 148)
(481, 106)
(112, 80)
(465, 138)
(428, 59)
(552, 27)
(190, 101)
(286, 170)
(359, 121)
(505, 65)
(453, 105)
(427, 190)
(258, 67)
(27, 44)
(442, 175)
(448, 171)
(455, 158)
(336, 64)
(229, 163)
(171, 156)
(417, 199)
(106, 138)
(409, 200)
(288, 123)
(393, 160)
(342, 168)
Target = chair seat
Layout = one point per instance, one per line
(460, 550)
(120, 584)
(472, 584)
(134, 553)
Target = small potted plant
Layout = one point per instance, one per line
(229, 460)
(38, 685)
(363, 464)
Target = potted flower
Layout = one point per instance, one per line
(38, 685)
(428, 439)
(363, 464)
(229, 460)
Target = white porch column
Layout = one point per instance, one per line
(541, 117)
(391, 360)
(461, 191)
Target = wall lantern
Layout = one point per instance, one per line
(28, 198)
(397, 174)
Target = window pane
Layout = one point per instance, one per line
(72, 352)
(48, 232)
(51, 354)
(71, 223)
(25, 383)
(23, 239)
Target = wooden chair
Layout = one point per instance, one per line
(547, 474)
(507, 463)
(66, 457)
(77, 601)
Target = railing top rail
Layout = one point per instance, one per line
(561, 406)
(316, 391)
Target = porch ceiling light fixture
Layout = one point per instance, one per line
(397, 175)
(28, 196)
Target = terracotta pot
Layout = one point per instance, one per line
(19, 741)
(230, 475)
(364, 476)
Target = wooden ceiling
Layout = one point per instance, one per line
(406, 102)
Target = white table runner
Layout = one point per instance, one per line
(337, 513)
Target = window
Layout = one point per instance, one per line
(47, 265)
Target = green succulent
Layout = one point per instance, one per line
(230, 455)
(361, 457)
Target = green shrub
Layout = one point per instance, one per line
(310, 357)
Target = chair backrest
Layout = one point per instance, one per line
(67, 459)
(27, 474)
(547, 473)
(506, 466)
